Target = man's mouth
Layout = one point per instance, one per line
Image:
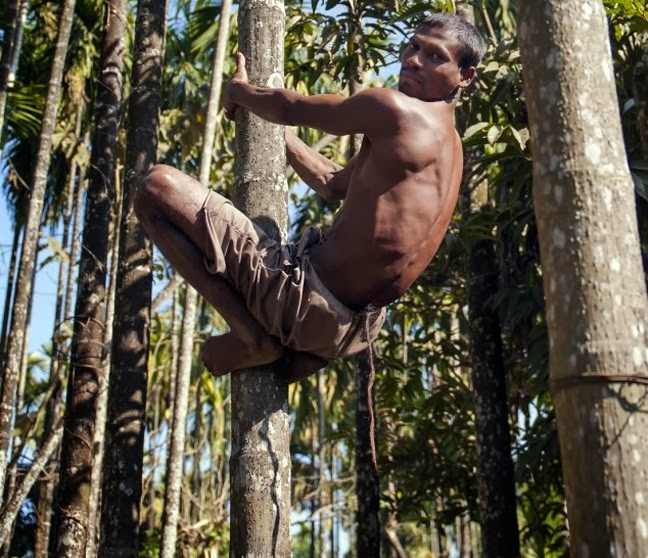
(410, 75)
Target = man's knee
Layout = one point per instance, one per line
(155, 186)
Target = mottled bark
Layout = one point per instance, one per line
(593, 281)
(123, 455)
(260, 461)
(28, 254)
(87, 349)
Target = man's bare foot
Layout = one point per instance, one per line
(225, 353)
(301, 365)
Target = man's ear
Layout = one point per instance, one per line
(467, 75)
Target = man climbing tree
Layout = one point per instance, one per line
(324, 297)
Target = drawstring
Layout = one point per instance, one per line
(370, 398)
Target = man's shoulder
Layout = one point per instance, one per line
(392, 98)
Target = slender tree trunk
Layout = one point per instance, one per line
(176, 447)
(593, 281)
(640, 91)
(321, 462)
(367, 478)
(47, 486)
(260, 461)
(10, 510)
(77, 454)
(104, 381)
(28, 255)
(175, 459)
(10, 28)
(495, 475)
(123, 456)
(11, 280)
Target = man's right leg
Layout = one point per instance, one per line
(169, 206)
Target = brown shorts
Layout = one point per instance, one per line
(280, 287)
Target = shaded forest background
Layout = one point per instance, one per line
(425, 389)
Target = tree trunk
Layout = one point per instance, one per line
(175, 459)
(260, 461)
(640, 91)
(46, 488)
(495, 474)
(176, 446)
(28, 255)
(321, 462)
(367, 478)
(104, 381)
(77, 453)
(11, 279)
(10, 510)
(10, 28)
(593, 281)
(123, 455)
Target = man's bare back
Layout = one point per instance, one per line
(401, 196)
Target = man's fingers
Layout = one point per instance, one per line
(241, 72)
(240, 61)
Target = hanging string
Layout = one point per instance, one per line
(370, 398)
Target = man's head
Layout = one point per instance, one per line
(440, 58)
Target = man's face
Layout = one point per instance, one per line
(429, 70)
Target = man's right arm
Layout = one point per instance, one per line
(327, 178)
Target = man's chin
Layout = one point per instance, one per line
(406, 89)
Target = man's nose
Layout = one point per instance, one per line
(413, 61)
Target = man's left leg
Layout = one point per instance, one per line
(169, 205)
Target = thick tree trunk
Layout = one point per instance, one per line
(123, 455)
(260, 461)
(28, 255)
(593, 281)
(89, 321)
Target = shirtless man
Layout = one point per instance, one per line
(325, 297)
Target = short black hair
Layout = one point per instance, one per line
(471, 43)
